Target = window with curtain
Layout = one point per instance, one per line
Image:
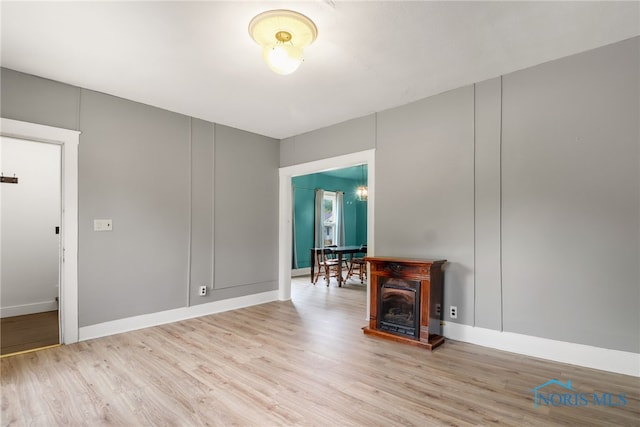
(329, 222)
(329, 219)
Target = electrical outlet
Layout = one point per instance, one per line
(438, 310)
(203, 291)
(453, 311)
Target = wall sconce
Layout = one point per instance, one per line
(282, 34)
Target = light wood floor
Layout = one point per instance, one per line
(20, 333)
(301, 362)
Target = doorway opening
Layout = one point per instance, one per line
(286, 209)
(31, 250)
(327, 211)
(67, 141)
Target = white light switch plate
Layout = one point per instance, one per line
(102, 225)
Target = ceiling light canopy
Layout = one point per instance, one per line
(282, 34)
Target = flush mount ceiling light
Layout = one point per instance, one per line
(282, 34)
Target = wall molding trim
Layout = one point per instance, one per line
(621, 362)
(175, 315)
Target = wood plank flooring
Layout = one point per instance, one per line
(303, 362)
(20, 333)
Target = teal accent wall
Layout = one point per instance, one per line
(361, 223)
(355, 211)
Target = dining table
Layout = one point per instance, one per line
(340, 251)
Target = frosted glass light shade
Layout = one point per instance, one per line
(283, 34)
(282, 59)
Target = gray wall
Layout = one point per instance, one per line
(202, 180)
(153, 172)
(348, 137)
(570, 187)
(133, 168)
(424, 188)
(246, 213)
(488, 272)
(529, 184)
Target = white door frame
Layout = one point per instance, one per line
(285, 210)
(68, 141)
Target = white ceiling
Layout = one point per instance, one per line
(196, 58)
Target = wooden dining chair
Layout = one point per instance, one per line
(358, 265)
(327, 267)
(333, 256)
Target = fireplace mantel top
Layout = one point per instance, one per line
(404, 260)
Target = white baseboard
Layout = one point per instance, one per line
(175, 315)
(20, 310)
(621, 362)
(298, 272)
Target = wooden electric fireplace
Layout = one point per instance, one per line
(406, 300)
